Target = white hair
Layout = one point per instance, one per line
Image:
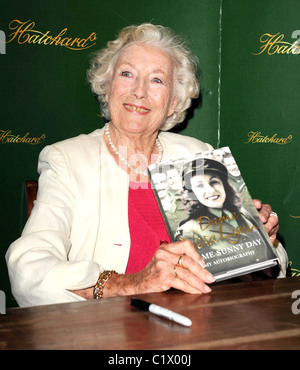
(186, 84)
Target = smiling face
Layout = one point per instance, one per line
(232, 166)
(209, 190)
(174, 180)
(140, 97)
(161, 185)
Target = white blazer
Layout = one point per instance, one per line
(79, 224)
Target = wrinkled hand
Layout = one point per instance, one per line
(270, 221)
(159, 275)
(191, 277)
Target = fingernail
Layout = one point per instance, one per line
(207, 289)
(202, 264)
(210, 278)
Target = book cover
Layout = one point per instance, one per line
(204, 198)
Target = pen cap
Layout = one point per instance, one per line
(138, 303)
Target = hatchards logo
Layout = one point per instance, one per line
(24, 32)
(256, 137)
(6, 137)
(276, 44)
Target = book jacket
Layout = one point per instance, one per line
(205, 199)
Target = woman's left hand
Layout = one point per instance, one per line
(269, 220)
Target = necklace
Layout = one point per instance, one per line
(124, 160)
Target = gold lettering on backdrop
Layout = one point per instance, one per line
(275, 44)
(295, 216)
(256, 137)
(24, 32)
(295, 272)
(7, 137)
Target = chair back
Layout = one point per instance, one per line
(31, 188)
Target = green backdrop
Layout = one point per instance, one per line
(260, 105)
(45, 96)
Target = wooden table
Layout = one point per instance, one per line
(253, 315)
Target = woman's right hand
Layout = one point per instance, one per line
(160, 275)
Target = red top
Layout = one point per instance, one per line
(146, 226)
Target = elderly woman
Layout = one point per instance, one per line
(95, 230)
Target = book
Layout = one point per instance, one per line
(204, 198)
